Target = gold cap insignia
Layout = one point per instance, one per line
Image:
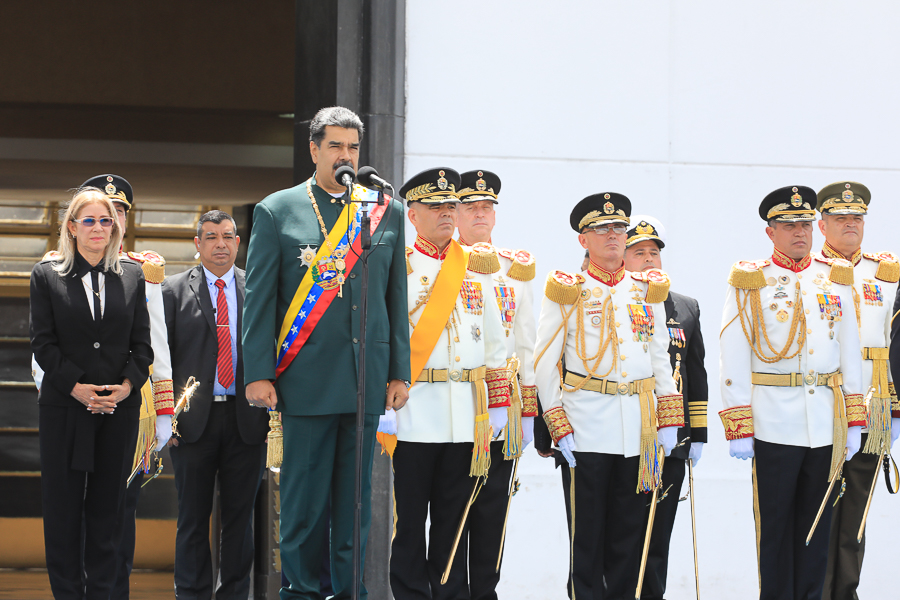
(796, 199)
(608, 208)
(793, 189)
(110, 188)
(442, 182)
(644, 228)
(480, 185)
(109, 178)
(606, 196)
(847, 185)
(847, 195)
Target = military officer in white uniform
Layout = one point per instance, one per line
(460, 390)
(513, 293)
(843, 207)
(791, 384)
(603, 333)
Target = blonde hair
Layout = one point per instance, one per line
(67, 244)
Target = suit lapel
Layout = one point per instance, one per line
(198, 286)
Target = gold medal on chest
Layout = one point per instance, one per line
(782, 316)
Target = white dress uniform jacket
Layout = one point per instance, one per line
(802, 415)
(874, 286)
(444, 412)
(603, 423)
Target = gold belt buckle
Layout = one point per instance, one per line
(455, 375)
(623, 389)
(810, 380)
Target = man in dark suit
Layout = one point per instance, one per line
(643, 246)
(295, 275)
(221, 434)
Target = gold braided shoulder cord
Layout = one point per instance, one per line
(856, 306)
(564, 327)
(757, 325)
(607, 336)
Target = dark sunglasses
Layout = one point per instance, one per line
(91, 221)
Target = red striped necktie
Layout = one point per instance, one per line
(224, 365)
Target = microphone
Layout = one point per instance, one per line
(368, 177)
(345, 175)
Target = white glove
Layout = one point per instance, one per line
(854, 438)
(527, 431)
(567, 447)
(163, 431)
(696, 451)
(387, 423)
(742, 448)
(895, 429)
(499, 418)
(668, 437)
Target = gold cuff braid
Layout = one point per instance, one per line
(529, 400)
(895, 404)
(498, 387)
(557, 423)
(670, 411)
(856, 410)
(738, 422)
(163, 397)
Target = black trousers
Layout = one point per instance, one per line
(125, 551)
(609, 519)
(790, 482)
(239, 466)
(485, 528)
(83, 511)
(845, 554)
(430, 480)
(658, 553)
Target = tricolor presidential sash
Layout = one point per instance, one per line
(434, 317)
(320, 284)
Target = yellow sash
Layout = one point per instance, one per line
(434, 317)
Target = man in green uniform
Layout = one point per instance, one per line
(302, 298)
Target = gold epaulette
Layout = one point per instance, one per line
(483, 259)
(657, 284)
(153, 265)
(52, 255)
(523, 265)
(841, 269)
(748, 275)
(409, 268)
(888, 266)
(563, 288)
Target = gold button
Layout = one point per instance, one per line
(618, 324)
(621, 340)
(624, 374)
(803, 292)
(812, 391)
(807, 311)
(811, 372)
(621, 357)
(809, 331)
(457, 359)
(811, 351)
(799, 276)
(727, 382)
(612, 291)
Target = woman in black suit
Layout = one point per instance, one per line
(90, 333)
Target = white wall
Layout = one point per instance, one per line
(695, 111)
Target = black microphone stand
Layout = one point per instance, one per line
(365, 247)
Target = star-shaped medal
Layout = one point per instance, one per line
(476, 333)
(307, 255)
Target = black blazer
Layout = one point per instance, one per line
(71, 348)
(683, 312)
(191, 324)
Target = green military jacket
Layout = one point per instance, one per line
(322, 377)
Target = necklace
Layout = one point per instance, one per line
(339, 263)
(91, 290)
